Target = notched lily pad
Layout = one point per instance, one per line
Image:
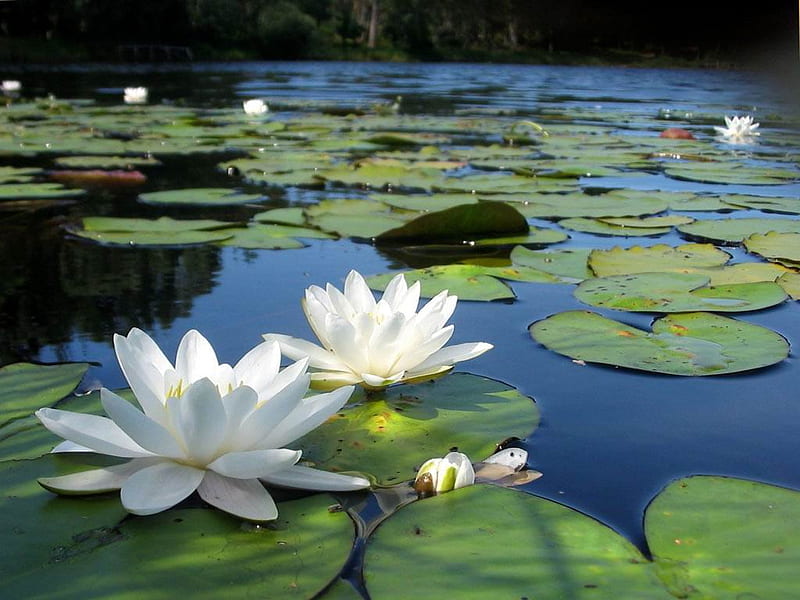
(682, 344)
(779, 247)
(642, 259)
(732, 231)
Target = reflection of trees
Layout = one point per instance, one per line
(53, 290)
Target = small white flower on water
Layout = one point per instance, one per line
(202, 426)
(738, 130)
(135, 95)
(255, 106)
(11, 85)
(439, 475)
(378, 343)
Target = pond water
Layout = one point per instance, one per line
(610, 438)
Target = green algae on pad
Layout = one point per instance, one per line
(732, 231)
(200, 197)
(490, 542)
(697, 343)
(390, 434)
(676, 292)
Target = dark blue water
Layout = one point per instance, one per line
(609, 440)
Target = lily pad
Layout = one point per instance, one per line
(682, 344)
(200, 197)
(270, 236)
(733, 231)
(743, 547)
(642, 259)
(780, 247)
(676, 292)
(354, 217)
(160, 225)
(603, 227)
(724, 172)
(37, 190)
(780, 204)
(290, 215)
(490, 542)
(391, 433)
(588, 205)
(468, 282)
(106, 162)
(81, 547)
(152, 238)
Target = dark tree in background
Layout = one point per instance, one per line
(424, 29)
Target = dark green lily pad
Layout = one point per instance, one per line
(676, 292)
(682, 344)
(780, 247)
(733, 231)
(391, 433)
(26, 387)
(17, 175)
(200, 197)
(37, 190)
(490, 542)
(463, 222)
(642, 259)
(742, 547)
(82, 548)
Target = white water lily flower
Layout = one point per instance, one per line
(135, 95)
(202, 426)
(738, 130)
(377, 343)
(11, 85)
(255, 106)
(439, 475)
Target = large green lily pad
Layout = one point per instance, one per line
(163, 231)
(779, 204)
(72, 548)
(491, 542)
(603, 227)
(200, 197)
(780, 247)
(683, 344)
(271, 236)
(570, 263)
(37, 190)
(587, 205)
(642, 259)
(733, 231)
(727, 539)
(391, 433)
(728, 172)
(676, 292)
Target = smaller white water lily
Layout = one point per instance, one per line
(378, 343)
(738, 130)
(439, 475)
(135, 95)
(202, 426)
(11, 85)
(256, 106)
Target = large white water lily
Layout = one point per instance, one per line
(256, 106)
(439, 475)
(738, 130)
(135, 95)
(378, 343)
(10, 85)
(202, 426)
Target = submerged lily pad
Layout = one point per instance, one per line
(742, 547)
(682, 344)
(676, 292)
(732, 231)
(490, 542)
(200, 197)
(391, 433)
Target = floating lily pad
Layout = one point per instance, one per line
(742, 547)
(780, 247)
(390, 434)
(425, 202)
(160, 225)
(355, 217)
(784, 204)
(791, 283)
(688, 201)
(648, 222)
(723, 172)
(676, 292)
(152, 232)
(602, 227)
(641, 259)
(468, 282)
(106, 162)
(291, 215)
(570, 263)
(200, 197)
(587, 205)
(270, 236)
(17, 175)
(682, 344)
(81, 547)
(37, 190)
(732, 231)
(490, 542)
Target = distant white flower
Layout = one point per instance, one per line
(11, 85)
(439, 475)
(376, 343)
(738, 130)
(255, 107)
(135, 95)
(202, 426)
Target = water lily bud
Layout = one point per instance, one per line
(439, 475)
(135, 95)
(255, 107)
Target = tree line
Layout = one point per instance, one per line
(417, 29)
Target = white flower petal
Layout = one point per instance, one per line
(243, 498)
(254, 463)
(450, 355)
(238, 405)
(195, 358)
(395, 292)
(268, 415)
(200, 420)
(308, 415)
(159, 487)
(141, 429)
(307, 478)
(330, 380)
(315, 307)
(96, 481)
(379, 381)
(100, 434)
(465, 473)
(258, 367)
(67, 446)
(144, 343)
(358, 293)
(344, 345)
(293, 375)
(141, 362)
(296, 348)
